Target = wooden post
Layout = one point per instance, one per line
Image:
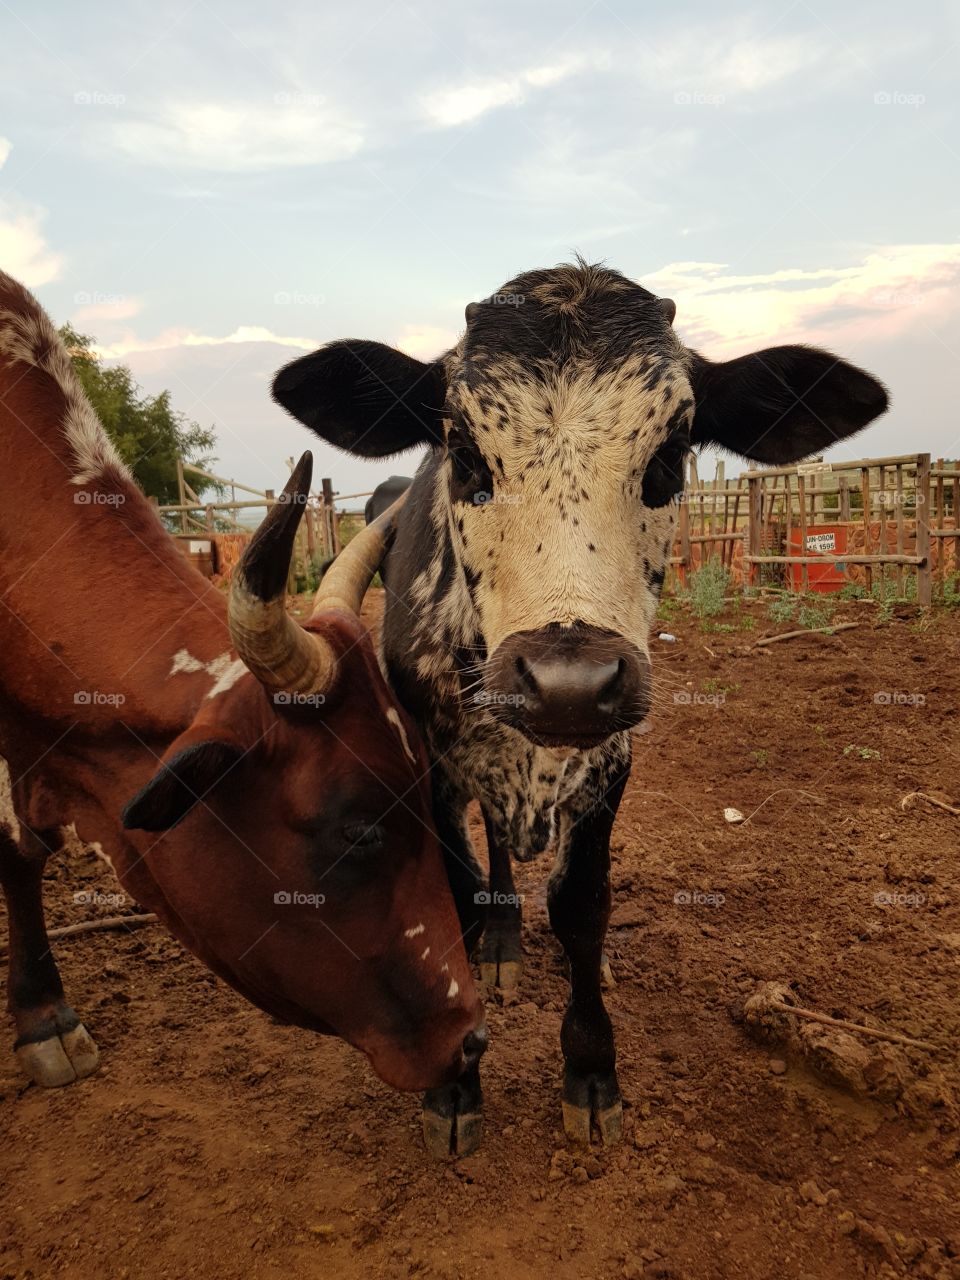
(182, 487)
(754, 521)
(844, 499)
(331, 515)
(802, 502)
(865, 491)
(939, 517)
(898, 496)
(924, 576)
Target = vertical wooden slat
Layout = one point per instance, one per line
(865, 493)
(754, 519)
(882, 520)
(844, 508)
(938, 519)
(924, 576)
(802, 501)
(899, 500)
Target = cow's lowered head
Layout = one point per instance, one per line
(564, 415)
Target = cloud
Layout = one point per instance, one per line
(108, 308)
(24, 252)
(459, 104)
(288, 130)
(891, 290)
(171, 339)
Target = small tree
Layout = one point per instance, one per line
(149, 434)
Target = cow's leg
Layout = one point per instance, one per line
(453, 1114)
(501, 960)
(578, 898)
(52, 1045)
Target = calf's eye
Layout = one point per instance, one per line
(663, 478)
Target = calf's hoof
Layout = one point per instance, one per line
(61, 1058)
(592, 1108)
(503, 974)
(501, 961)
(453, 1118)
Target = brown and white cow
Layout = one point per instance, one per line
(280, 816)
(526, 571)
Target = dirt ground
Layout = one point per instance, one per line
(214, 1143)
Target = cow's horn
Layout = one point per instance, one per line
(276, 649)
(346, 581)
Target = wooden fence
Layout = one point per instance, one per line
(217, 525)
(884, 524)
(887, 525)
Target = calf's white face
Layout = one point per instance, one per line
(562, 419)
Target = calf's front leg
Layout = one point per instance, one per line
(500, 956)
(578, 898)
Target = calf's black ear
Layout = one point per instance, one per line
(364, 397)
(179, 784)
(782, 404)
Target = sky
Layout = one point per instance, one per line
(211, 189)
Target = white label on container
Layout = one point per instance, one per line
(821, 542)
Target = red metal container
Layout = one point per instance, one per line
(828, 541)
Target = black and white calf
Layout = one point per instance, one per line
(525, 576)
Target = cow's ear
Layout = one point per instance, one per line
(367, 398)
(782, 404)
(182, 780)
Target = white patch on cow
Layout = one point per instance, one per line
(453, 989)
(424, 953)
(29, 337)
(225, 669)
(9, 822)
(228, 677)
(444, 968)
(395, 720)
(416, 931)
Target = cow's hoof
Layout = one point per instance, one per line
(504, 974)
(60, 1059)
(453, 1118)
(592, 1108)
(607, 980)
